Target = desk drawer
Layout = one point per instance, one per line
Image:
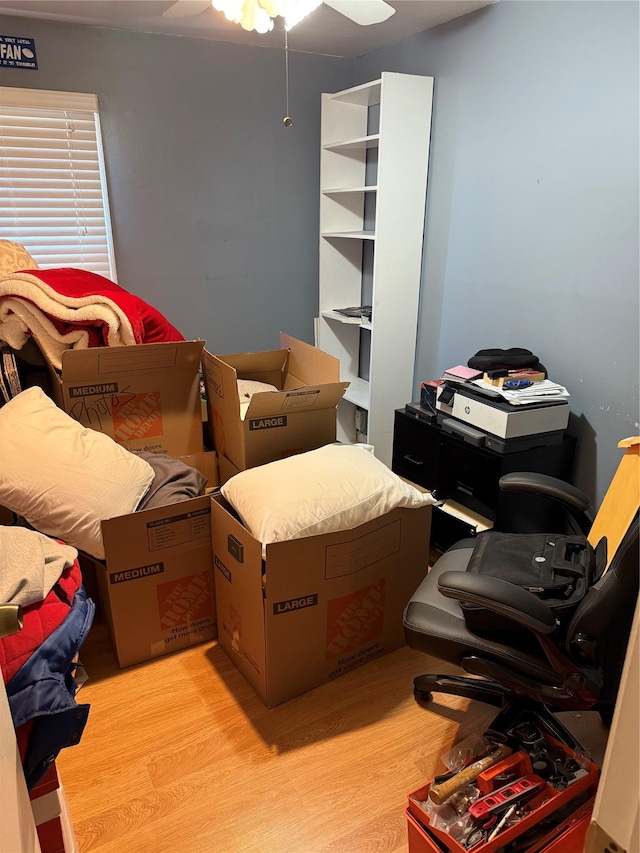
(416, 451)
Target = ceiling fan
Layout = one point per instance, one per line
(248, 13)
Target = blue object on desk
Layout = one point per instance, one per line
(516, 384)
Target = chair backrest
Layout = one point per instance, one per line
(603, 619)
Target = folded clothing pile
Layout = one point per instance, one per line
(70, 308)
(74, 309)
(39, 662)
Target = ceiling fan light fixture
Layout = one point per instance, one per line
(258, 15)
(248, 13)
(298, 10)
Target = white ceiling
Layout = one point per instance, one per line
(325, 31)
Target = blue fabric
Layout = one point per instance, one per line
(43, 691)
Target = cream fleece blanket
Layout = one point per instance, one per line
(27, 305)
(30, 565)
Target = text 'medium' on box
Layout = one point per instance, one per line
(313, 609)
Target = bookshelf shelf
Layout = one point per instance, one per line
(374, 158)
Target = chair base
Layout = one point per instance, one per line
(514, 709)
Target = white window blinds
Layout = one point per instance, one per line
(52, 183)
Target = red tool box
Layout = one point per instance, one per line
(572, 805)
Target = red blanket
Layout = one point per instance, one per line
(71, 308)
(39, 620)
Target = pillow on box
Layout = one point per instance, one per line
(62, 477)
(336, 487)
(247, 388)
(14, 257)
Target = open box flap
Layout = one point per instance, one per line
(80, 364)
(308, 364)
(274, 403)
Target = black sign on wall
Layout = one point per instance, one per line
(18, 52)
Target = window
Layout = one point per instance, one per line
(52, 179)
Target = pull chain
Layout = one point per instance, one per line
(286, 121)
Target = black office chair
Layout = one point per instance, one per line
(538, 664)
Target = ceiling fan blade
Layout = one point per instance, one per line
(363, 12)
(186, 8)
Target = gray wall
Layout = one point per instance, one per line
(214, 203)
(532, 213)
(532, 209)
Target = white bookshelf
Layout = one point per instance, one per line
(373, 178)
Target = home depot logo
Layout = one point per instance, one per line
(235, 629)
(184, 600)
(355, 620)
(139, 417)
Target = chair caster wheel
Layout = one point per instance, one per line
(422, 697)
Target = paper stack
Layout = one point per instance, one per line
(544, 391)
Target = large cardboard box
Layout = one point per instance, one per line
(300, 416)
(318, 607)
(156, 583)
(145, 397)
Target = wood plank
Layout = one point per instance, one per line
(622, 500)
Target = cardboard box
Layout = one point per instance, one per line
(156, 584)
(314, 608)
(226, 469)
(145, 397)
(299, 417)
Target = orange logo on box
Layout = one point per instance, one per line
(139, 416)
(184, 600)
(355, 620)
(235, 623)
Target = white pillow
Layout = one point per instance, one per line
(247, 388)
(336, 487)
(62, 477)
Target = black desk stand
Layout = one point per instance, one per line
(454, 469)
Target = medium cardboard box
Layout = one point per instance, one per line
(318, 607)
(156, 584)
(226, 469)
(300, 416)
(145, 397)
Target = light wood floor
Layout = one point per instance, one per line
(180, 756)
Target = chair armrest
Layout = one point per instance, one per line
(499, 596)
(542, 485)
